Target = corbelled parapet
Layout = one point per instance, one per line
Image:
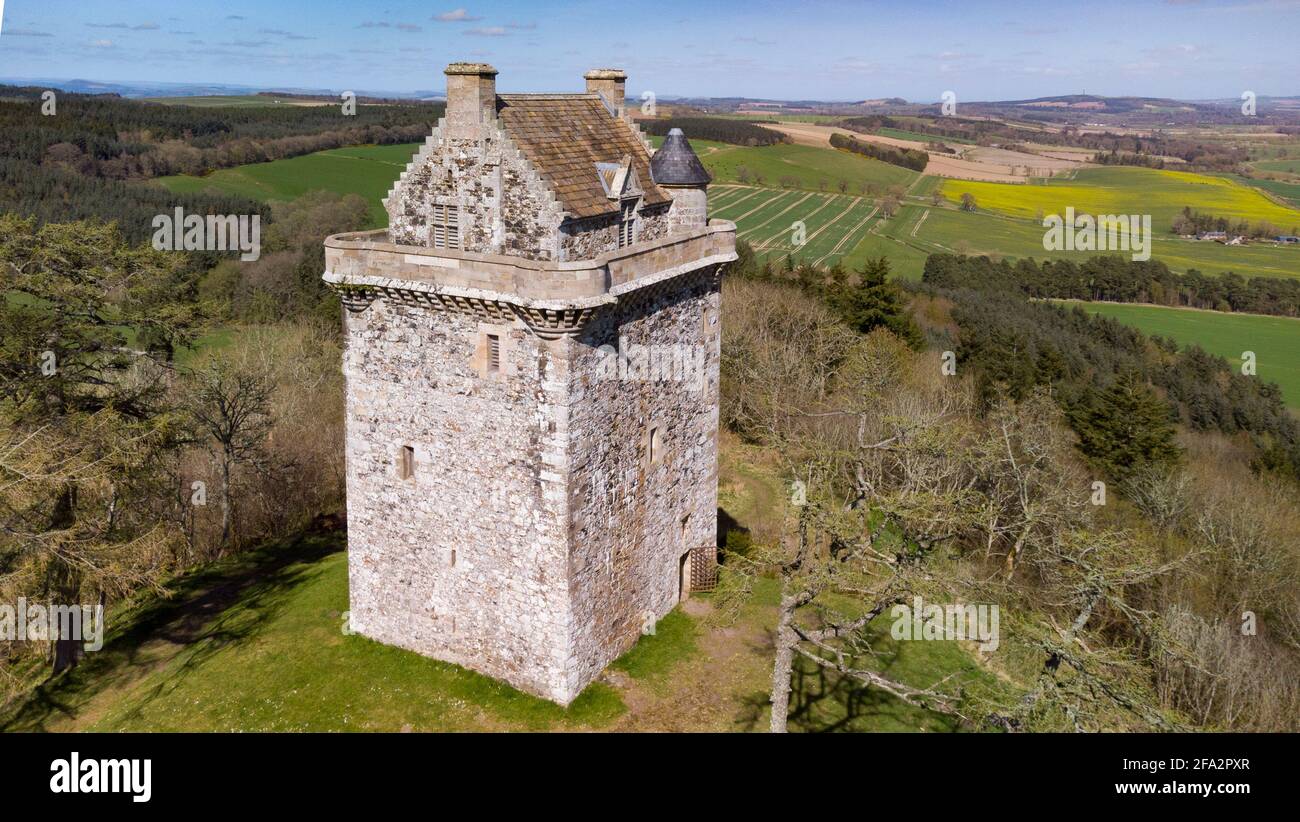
(554, 299)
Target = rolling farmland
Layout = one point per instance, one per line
(765, 218)
(1128, 190)
(845, 227)
(365, 170)
(811, 168)
(1288, 192)
(982, 233)
(1275, 340)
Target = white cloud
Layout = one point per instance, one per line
(455, 16)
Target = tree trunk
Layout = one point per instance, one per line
(782, 668)
(67, 653)
(226, 505)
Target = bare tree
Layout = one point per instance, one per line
(231, 404)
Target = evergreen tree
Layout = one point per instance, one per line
(1125, 427)
(875, 302)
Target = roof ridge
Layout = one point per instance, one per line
(562, 95)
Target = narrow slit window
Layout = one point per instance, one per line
(406, 462)
(654, 446)
(493, 353)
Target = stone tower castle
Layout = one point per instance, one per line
(532, 385)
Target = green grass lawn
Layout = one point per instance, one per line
(1275, 340)
(257, 643)
(1127, 190)
(365, 170)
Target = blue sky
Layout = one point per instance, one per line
(824, 49)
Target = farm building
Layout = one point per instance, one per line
(527, 492)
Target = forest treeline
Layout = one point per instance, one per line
(735, 132)
(1047, 471)
(1190, 221)
(54, 195)
(1017, 344)
(1117, 279)
(905, 157)
(92, 160)
(111, 137)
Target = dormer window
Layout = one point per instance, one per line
(444, 226)
(627, 223)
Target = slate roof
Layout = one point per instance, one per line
(564, 136)
(675, 163)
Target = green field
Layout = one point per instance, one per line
(899, 134)
(815, 169)
(258, 642)
(1291, 166)
(1289, 192)
(982, 233)
(365, 170)
(1275, 340)
(1128, 190)
(765, 218)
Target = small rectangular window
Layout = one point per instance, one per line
(406, 462)
(654, 446)
(444, 226)
(493, 353)
(626, 224)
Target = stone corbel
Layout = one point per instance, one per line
(553, 324)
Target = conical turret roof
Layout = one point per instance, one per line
(675, 163)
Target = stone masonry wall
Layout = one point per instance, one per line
(585, 239)
(466, 561)
(633, 521)
(505, 206)
(535, 540)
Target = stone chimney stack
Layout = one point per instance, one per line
(609, 83)
(471, 99)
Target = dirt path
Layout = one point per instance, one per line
(717, 689)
